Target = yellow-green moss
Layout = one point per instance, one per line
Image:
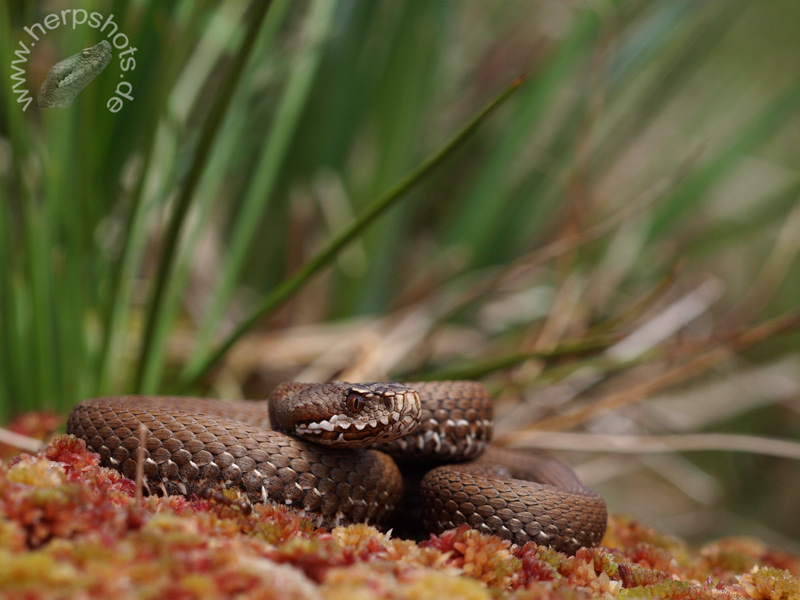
(69, 528)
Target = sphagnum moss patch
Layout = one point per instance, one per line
(70, 528)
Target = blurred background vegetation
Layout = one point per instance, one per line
(613, 250)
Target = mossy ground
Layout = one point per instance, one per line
(72, 529)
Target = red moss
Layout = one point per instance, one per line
(70, 528)
(601, 559)
(651, 557)
(632, 575)
(276, 524)
(534, 567)
(484, 557)
(740, 555)
(624, 532)
(671, 590)
(42, 499)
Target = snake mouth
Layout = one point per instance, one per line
(339, 430)
(348, 414)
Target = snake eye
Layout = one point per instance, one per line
(355, 402)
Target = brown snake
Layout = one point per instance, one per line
(195, 443)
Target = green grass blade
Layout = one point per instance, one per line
(681, 66)
(146, 366)
(236, 125)
(259, 193)
(483, 210)
(10, 363)
(123, 269)
(403, 104)
(324, 257)
(746, 140)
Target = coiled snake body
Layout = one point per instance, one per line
(195, 443)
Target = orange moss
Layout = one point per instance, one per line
(484, 557)
(592, 570)
(739, 555)
(769, 583)
(367, 583)
(70, 528)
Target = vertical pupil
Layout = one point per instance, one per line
(355, 402)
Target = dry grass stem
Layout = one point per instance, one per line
(673, 376)
(574, 240)
(668, 322)
(633, 444)
(23, 442)
(140, 464)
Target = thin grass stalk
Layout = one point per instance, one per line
(42, 242)
(273, 155)
(9, 363)
(482, 368)
(548, 190)
(327, 254)
(479, 216)
(145, 368)
(636, 444)
(774, 274)
(689, 56)
(404, 97)
(699, 363)
(124, 268)
(19, 355)
(769, 211)
(64, 209)
(641, 304)
(40, 354)
(632, 210)
(235, 125)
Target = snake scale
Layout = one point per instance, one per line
(193, 444)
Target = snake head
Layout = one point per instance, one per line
(350, 414)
